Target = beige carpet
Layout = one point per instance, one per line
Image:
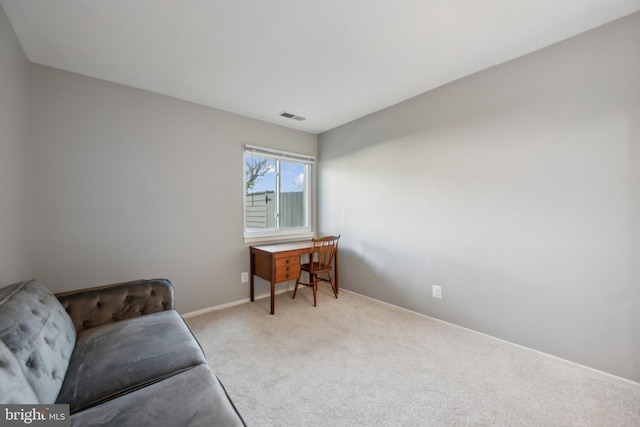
(358, 362)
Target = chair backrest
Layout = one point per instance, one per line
(324, 251)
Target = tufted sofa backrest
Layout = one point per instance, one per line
(38, 338)
(92, 307)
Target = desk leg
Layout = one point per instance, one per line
(273, 294)
(252, 272)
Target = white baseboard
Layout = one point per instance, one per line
(615, 378)
(215, 308)
(234, 303)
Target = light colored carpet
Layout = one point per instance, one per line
(358, 362)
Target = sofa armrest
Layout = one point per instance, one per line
(98, 306)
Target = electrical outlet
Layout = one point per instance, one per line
(244, 277)
(437, 291)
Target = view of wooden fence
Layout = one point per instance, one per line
(260, 210)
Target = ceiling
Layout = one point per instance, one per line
(330, 61)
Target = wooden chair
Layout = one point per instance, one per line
(320, 261)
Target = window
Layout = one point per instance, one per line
(277, 194)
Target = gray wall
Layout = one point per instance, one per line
(516, 189)
(14, 158)
(129, 184)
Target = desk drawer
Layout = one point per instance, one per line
(287, 268)
(289, 261)
(283, 276)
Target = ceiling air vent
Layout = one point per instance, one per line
(293, 116)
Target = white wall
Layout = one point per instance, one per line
(516, 189)
(130, 184)
(14, 158)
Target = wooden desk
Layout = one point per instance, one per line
(280, 263)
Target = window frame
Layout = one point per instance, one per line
(279, 234)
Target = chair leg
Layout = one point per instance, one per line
(315, 289)
(333, 285)
(296, 289)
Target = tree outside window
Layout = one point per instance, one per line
(276, 194)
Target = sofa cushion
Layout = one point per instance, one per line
(14, 388)
(194, 397)
(38, 332)
(117, 358)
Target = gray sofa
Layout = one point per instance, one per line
(119, 355)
